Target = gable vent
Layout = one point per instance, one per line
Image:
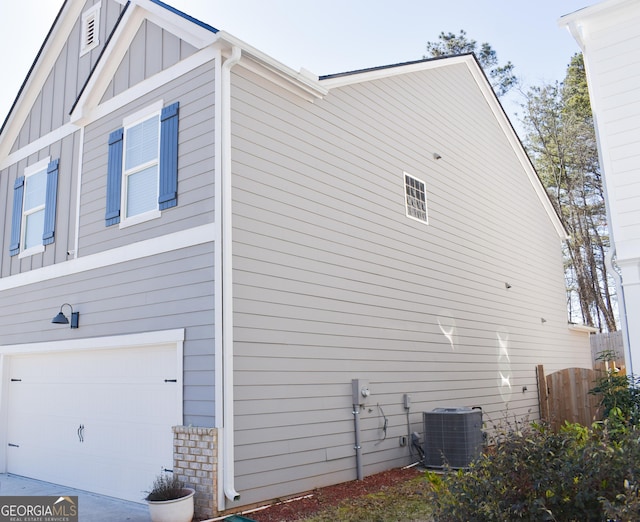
(90, 29)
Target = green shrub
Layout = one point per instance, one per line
(619, 394)
(534, 474)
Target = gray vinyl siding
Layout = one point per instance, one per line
(195, 92)
(167, 291)
(69, 74)
(152, 50)
(333, 282)
(66, 150)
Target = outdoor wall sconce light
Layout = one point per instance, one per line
(62, 319)
(436, 156)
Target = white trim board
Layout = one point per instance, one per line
(35, 146)
(98, 343)
(150, 247)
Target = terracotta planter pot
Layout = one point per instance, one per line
(178, 510)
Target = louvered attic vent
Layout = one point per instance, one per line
(90, 31)
(90, 25)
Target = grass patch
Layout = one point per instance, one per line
(405, 502)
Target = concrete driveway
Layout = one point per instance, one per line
(91, 507)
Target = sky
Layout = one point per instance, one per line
(335, 36)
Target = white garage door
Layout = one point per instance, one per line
(97, 420)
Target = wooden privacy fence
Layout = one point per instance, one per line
(564, 396)
(611, 344)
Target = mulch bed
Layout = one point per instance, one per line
(323, 498)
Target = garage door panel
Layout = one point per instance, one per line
(98, 420)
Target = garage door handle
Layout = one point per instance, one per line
(81, 433)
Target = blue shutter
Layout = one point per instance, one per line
(16, 218)
(50, 203)
(114, 177)
(168, 157)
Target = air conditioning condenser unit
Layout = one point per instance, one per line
(452, 436)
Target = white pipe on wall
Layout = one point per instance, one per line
(228, 461)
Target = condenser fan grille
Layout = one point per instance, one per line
(452, 436)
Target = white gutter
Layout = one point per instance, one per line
(228, 459)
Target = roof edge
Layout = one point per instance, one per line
(184, 15)
(385, 67)
(33, 66)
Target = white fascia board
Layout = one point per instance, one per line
(300, 82)
(39, 74)
(594, 11)
(185, 29)
(578, 21)
(583, 328)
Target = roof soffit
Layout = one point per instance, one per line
(302, 83)
(611, 12)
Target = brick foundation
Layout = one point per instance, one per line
(195, 463)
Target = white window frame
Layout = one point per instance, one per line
(90, 16)
(28, 172)
(129, 122)
(406, 175)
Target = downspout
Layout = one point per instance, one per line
(228, 459)
(217, 290)
(622, 308)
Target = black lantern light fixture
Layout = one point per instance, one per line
(62, 319)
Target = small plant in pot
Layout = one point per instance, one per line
(170, 500)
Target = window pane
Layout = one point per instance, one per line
(142, 191)
(34, 225)
(142, 143)
(35, 190)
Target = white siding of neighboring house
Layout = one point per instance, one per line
(609, 35)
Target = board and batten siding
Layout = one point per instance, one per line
(195, 93)
(164, 292)
(333, 282)
(152, 50)
(68, 76)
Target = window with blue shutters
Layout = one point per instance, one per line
(142, 174)
(34, 208)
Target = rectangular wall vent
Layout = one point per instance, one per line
(90, 29)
